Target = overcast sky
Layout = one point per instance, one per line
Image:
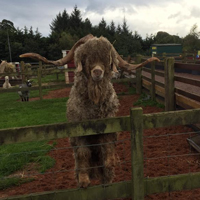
(144, 16)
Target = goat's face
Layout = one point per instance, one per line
(28, 83)
(97, 59)
(97, 72)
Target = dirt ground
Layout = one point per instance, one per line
(166, 152)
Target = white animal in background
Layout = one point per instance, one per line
(6, 84)
(6, 67)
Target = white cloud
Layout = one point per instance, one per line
(143, 16)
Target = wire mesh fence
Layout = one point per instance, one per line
(50, 167)
(166, 153)
(34, 174)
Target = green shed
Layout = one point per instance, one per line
(166, 48)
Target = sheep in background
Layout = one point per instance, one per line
(6, 84)
(24, 95)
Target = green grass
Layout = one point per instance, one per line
(145, 100)
(131, 90)
(15, 181)
(49, 78)
(16, 157)
(14, 113)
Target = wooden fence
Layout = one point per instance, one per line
(166, 88)
(139, 186)
(181, 57)
(43, 70)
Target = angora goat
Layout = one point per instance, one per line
(93, 97)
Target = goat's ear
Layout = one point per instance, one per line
(79, 67)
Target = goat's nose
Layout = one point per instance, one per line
(97, 72)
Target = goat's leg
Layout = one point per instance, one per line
(82, 162)
(109, 161)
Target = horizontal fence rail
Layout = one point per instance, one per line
(121, 190)
(61, 130)
(100, 126)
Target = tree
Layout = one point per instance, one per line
(146, 44)
(194, 32)
(7, 25)
(166, 38)
(76, 23)
(191, 42)
(7, 32)
(87, 27)
(66, 41)
(112, 29)
(102, 29)
(60, 23)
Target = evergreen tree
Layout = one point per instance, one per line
(67, 29)
(112, 29)
(60, 23)
(87, 27)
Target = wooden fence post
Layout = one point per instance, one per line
(184, 57)
(169, 84)
(137, 158)
(26, 71)
(40, 79)
(22, 71)
(152, 92)
(164, 55)
(139, 76)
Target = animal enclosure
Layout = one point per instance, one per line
(166, 169)
(142, 182)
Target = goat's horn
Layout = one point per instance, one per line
(128, 66)
(63, 60)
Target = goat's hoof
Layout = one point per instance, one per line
(84, 180)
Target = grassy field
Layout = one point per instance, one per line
(17, 157)
(50, 78)
(145, 100)
(14, 113)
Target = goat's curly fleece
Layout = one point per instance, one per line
(81, 106)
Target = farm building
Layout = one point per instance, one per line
(166, 48)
